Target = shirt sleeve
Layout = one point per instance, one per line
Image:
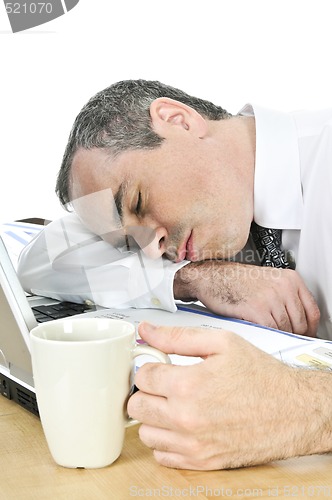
(66, 261)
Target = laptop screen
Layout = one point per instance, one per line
(16, 322)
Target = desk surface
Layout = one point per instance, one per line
(27, 471)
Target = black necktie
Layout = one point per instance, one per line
(268, 244)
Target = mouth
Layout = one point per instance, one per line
(186, 250)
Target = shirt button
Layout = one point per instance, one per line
(155, 301)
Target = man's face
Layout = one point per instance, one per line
(182, 200)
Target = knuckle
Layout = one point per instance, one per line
(228, 340)
(144, 433)
(301, 328)
(166, 459)
(197, 449)
(133, 404)
(189, 420)
(184, 388)
(140, 376)
(315, 315)
(146, 373)
(184, 421)
(288, 278)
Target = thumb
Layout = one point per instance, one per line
(186, 341)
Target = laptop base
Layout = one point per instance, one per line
(21, 395)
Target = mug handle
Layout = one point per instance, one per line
(139, 350)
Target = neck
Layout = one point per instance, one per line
(235, 146)
(242, 132)
(236, 140)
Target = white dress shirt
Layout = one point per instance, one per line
(292, 191)
(66, 261)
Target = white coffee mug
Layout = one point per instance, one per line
(83, 371)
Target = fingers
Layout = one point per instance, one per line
(191, 462)
(290, 317)
(297, 317)
(152, 410)
(302, 310)
(183, 450)
(157, 378)
(180, 340)
(293, 317)
(174, 449)
(173, 460)
(275, 317)
(164, 439)
(286, 305)
(158, 385)
(301, 314)
(311, 311)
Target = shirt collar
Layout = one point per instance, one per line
(278, 201)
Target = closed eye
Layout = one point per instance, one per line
(138, 207)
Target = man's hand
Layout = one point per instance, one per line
(276, 298)
(237, 407)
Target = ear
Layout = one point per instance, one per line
(167, 113)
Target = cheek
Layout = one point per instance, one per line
(166, 214)
(167, 204)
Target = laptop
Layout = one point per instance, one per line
(20, 313)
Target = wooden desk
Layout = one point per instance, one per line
(27, 472)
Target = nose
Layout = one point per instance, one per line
(151, 241)
(157, 246)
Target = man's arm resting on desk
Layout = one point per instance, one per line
(238, 407)
(276, 298)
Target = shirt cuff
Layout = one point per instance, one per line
(151, 283)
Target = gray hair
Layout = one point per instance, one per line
(117, 119)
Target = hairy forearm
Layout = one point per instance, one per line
(313, 407)
(276, 298)
(184, 287)
(192, 280)
(217, 280)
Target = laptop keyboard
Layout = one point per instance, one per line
(58, 311)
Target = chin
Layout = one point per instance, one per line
(217, 254)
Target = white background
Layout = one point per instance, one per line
(274, 53)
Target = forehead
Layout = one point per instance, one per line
(90, 171)
(94, 182)
(95, 169)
